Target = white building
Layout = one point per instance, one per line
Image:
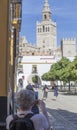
(35, 65)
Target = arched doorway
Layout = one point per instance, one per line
(29, 79)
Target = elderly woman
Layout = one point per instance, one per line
(25, 99)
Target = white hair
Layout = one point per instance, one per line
(25, 99)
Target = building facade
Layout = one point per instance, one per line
(46, 35)
(68, 47)
(4, 61)
(10, 25)
(34, 66)
(46, 39)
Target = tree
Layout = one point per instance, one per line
(35, 79)
(73, 70)
(63, 73)
(48, 76)
(56, 71)
(58, 67)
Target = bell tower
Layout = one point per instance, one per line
(46, 13)
(46, 36)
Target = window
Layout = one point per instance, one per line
(48, 29)
(45, 17)
(34, 68)
(43, 28)
(38, 29)
(33, 53)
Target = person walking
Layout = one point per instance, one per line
(45, 92)
(25, 99)
(29, 86)
(55, 90)
(35, 108)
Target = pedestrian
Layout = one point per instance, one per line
(25, 99)
(35, 108)
(36, 90)
(29, 86)
(45, 92)
(55, 90)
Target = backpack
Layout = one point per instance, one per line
(24, 123)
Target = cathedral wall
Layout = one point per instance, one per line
(69, 47)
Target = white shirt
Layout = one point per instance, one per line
(39, 120)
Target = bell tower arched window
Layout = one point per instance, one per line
(45, 17)
(43, 28)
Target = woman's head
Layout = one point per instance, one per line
(29, 87)
(25, 99)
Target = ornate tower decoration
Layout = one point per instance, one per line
(46, 13)
(46, 36)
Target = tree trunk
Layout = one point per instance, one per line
(61, 85)
(69, 86)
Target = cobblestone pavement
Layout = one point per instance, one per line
(62, 111)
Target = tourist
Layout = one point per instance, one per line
(45, 92)
(35, 108)
(55, 90)
(25, 99)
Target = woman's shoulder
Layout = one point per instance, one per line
(40, 120)
(8, 120)
(10, 117)
(39, 116)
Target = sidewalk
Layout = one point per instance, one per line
(62, 112)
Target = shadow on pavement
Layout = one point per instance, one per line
(68, 93)
(63, 118)
(53, 99)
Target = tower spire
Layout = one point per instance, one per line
(46, 11)
(46, 1)
(46, 7)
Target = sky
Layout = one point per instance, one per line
(64, 13)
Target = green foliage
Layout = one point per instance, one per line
(35, 79)
(64, 70)
(56, 70)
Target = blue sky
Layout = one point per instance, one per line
(64, 13)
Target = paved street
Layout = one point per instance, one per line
(62, 111)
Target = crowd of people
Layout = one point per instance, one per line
(29, 104)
